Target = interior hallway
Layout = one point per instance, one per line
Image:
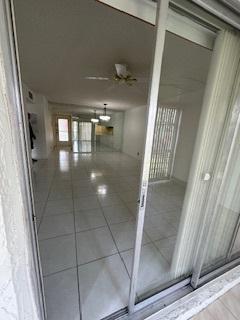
(86, 210)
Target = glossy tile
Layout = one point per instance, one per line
(57, 254)
(94, 244)
(59, 207)
(89, 219)
(61, 295)
(97, 194)
(156, 227)
(83, 191)
(153, 268)
(86, 203)
(117, 214)
(124, 235)
(56, 225)
(60, 193)
(166, 247)
(108, 200)
(104, 287)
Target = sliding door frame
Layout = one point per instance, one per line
(161, 28)
(162, 13)
(224, 264)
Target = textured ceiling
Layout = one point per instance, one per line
(61, 42)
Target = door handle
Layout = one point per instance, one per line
(206, 176)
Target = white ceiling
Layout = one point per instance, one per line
(61, 42)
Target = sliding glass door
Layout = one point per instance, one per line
(173, 142)
(195, 163)
(82, 133)
(220, 237)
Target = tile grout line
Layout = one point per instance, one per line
(76, 253)
(117, 192)
(45, 205)
(115, 243)
(98, 259)
(59, 271)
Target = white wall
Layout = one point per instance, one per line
(48, 129)
(43, 129)
(114, 141)
(134, 131)
(117, 118)
(191, 105)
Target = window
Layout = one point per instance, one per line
(85, 131)
(164, 143)
(63, 135)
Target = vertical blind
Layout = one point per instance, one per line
(81, 131)
(209, 203)
(85, 131)
(164, 143)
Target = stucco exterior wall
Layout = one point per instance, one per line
(18, 288)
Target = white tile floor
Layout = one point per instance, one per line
(86, 208)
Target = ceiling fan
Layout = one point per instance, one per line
(121, 76)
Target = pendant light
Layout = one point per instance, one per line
(95, 119)
(105, 117)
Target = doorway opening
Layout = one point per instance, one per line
(87, 195)
(63, 131)
(63, 135)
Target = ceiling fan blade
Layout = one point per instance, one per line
(121, 70)
(97, 78)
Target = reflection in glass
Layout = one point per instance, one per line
(75, 130)
(177, 118)
(164, 143)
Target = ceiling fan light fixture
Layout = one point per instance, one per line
(105, 117)
(95, 119)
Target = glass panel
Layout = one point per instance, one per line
(223, 242)
(178, 114)
(82, 137)
(219, 216)
(85, 131)
(63, 135)
(75, 130)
